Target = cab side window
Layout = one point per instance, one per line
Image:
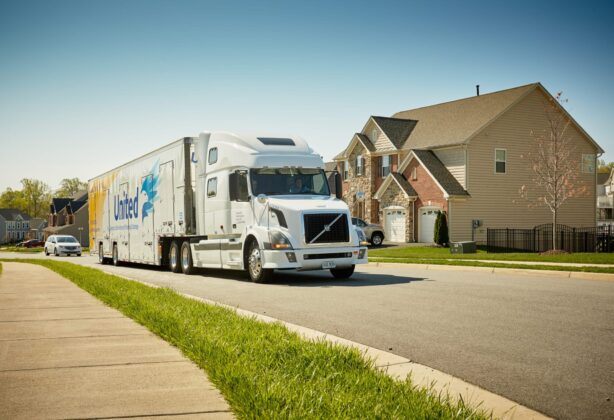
(212, 155)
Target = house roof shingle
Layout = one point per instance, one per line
(58, 204)
(396, 129)
(366, 142)
(11, 214)
(404, 184)
(602, 178)
(455, 122)
(450, 184)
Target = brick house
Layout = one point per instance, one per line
(466, 158)
(69, 216)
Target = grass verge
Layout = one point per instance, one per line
(433, 253)
(263, 369)
(460, 262)
(21, 249)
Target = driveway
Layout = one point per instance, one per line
(545, 342)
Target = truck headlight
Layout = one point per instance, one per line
(279, 240)
(362, 239)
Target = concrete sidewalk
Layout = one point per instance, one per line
(64, 354)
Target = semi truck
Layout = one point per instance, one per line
(220, 200)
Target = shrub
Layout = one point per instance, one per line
(441, 229)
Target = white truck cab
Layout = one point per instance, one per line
(220, 200)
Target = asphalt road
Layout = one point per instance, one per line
(545, 342)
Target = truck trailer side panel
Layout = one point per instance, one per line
(136, 204)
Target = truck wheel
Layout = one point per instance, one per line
(342, 273)
(101, 258)
(187, 266)
(254, 265)
(115, 255)
(376, 239)
(174, 254)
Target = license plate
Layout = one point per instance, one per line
(328, 264)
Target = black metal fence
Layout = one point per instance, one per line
(539, 239)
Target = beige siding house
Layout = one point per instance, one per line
(469, 159)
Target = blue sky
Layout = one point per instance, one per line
(85, 86)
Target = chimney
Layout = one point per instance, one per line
(477, 90)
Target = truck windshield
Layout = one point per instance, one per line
(277, 181)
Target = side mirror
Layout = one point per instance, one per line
(237, 184)
(338, 186)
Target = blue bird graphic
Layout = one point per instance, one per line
(150, 188)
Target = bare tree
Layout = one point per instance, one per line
(555, 164)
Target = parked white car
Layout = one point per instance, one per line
(62, 245)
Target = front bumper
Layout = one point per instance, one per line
(315, 259)
(69, 251)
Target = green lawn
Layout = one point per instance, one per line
(433, 253)
(264, 370)
(21, 249)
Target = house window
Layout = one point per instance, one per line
(212, 187)
(500, 161)
(359, 165)
(588, 164)
(212, 155)
(385, 165)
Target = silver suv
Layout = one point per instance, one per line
(373, 232)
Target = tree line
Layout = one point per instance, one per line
(35, 196)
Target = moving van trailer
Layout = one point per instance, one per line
(220, 200)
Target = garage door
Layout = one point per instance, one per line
(427, 224)
(395, 225)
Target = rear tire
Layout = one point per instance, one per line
(257, 274)
(115, 256)
(376, 239)
(174, 254)
(187, 265)
(101, 258)
(342, 273)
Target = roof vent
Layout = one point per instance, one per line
(272, 141)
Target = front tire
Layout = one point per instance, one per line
(187, 265)
(342, 273)
(115, 256)
(173, 257)
(376, 239)
(257, 273)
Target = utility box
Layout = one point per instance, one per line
(464, 247)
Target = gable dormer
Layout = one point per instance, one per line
(388, 134)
